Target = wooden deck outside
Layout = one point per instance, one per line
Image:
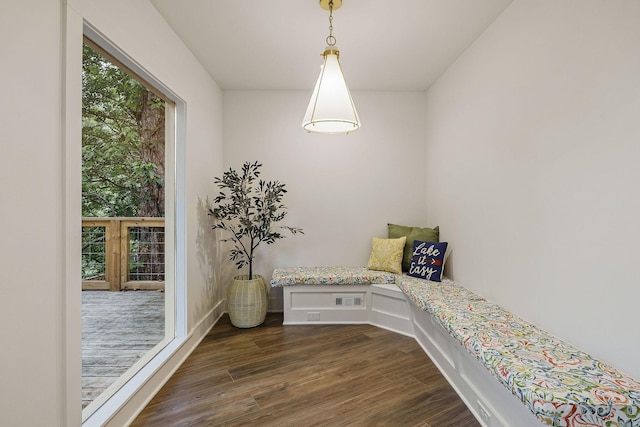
(117, 329)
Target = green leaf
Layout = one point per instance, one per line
(247, 207)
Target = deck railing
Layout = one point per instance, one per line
(122, 253)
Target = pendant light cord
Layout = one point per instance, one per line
(331, 41)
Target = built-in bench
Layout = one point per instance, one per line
(486, 353)
(340, 295)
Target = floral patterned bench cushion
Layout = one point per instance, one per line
(329, 276)
(561, 385)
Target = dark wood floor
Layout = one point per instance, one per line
(320, 375)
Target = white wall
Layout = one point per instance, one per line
(31, 219)
(533, 142)
(343, 189)
(40, 383)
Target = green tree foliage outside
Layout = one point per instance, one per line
(123, 144)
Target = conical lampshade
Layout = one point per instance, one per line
(331, 109)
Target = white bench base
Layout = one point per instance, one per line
(503, 383)
(382, 305)
(488, 400)
(387, 307)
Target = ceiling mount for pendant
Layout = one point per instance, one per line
(325, 4)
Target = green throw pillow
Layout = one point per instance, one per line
(412, 233)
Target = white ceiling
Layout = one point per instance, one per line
(276, 44)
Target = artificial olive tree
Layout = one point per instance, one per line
(249, 208)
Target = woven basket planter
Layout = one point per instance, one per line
(247, 301)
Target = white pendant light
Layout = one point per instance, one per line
(331, 109)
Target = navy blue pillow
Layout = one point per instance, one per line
(427, 260)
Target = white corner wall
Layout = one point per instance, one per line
(533, 143)
(31, 213)
(342, 189)
(40, 383)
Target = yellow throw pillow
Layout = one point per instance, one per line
(386, 254)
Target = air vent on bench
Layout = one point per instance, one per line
(348, 301)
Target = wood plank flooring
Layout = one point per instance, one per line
(320, 375)
(117, 329)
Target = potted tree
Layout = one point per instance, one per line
(248, 208)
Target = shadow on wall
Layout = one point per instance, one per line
(266, 260)
(213, 262)
(448, 266)
(217, 271)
